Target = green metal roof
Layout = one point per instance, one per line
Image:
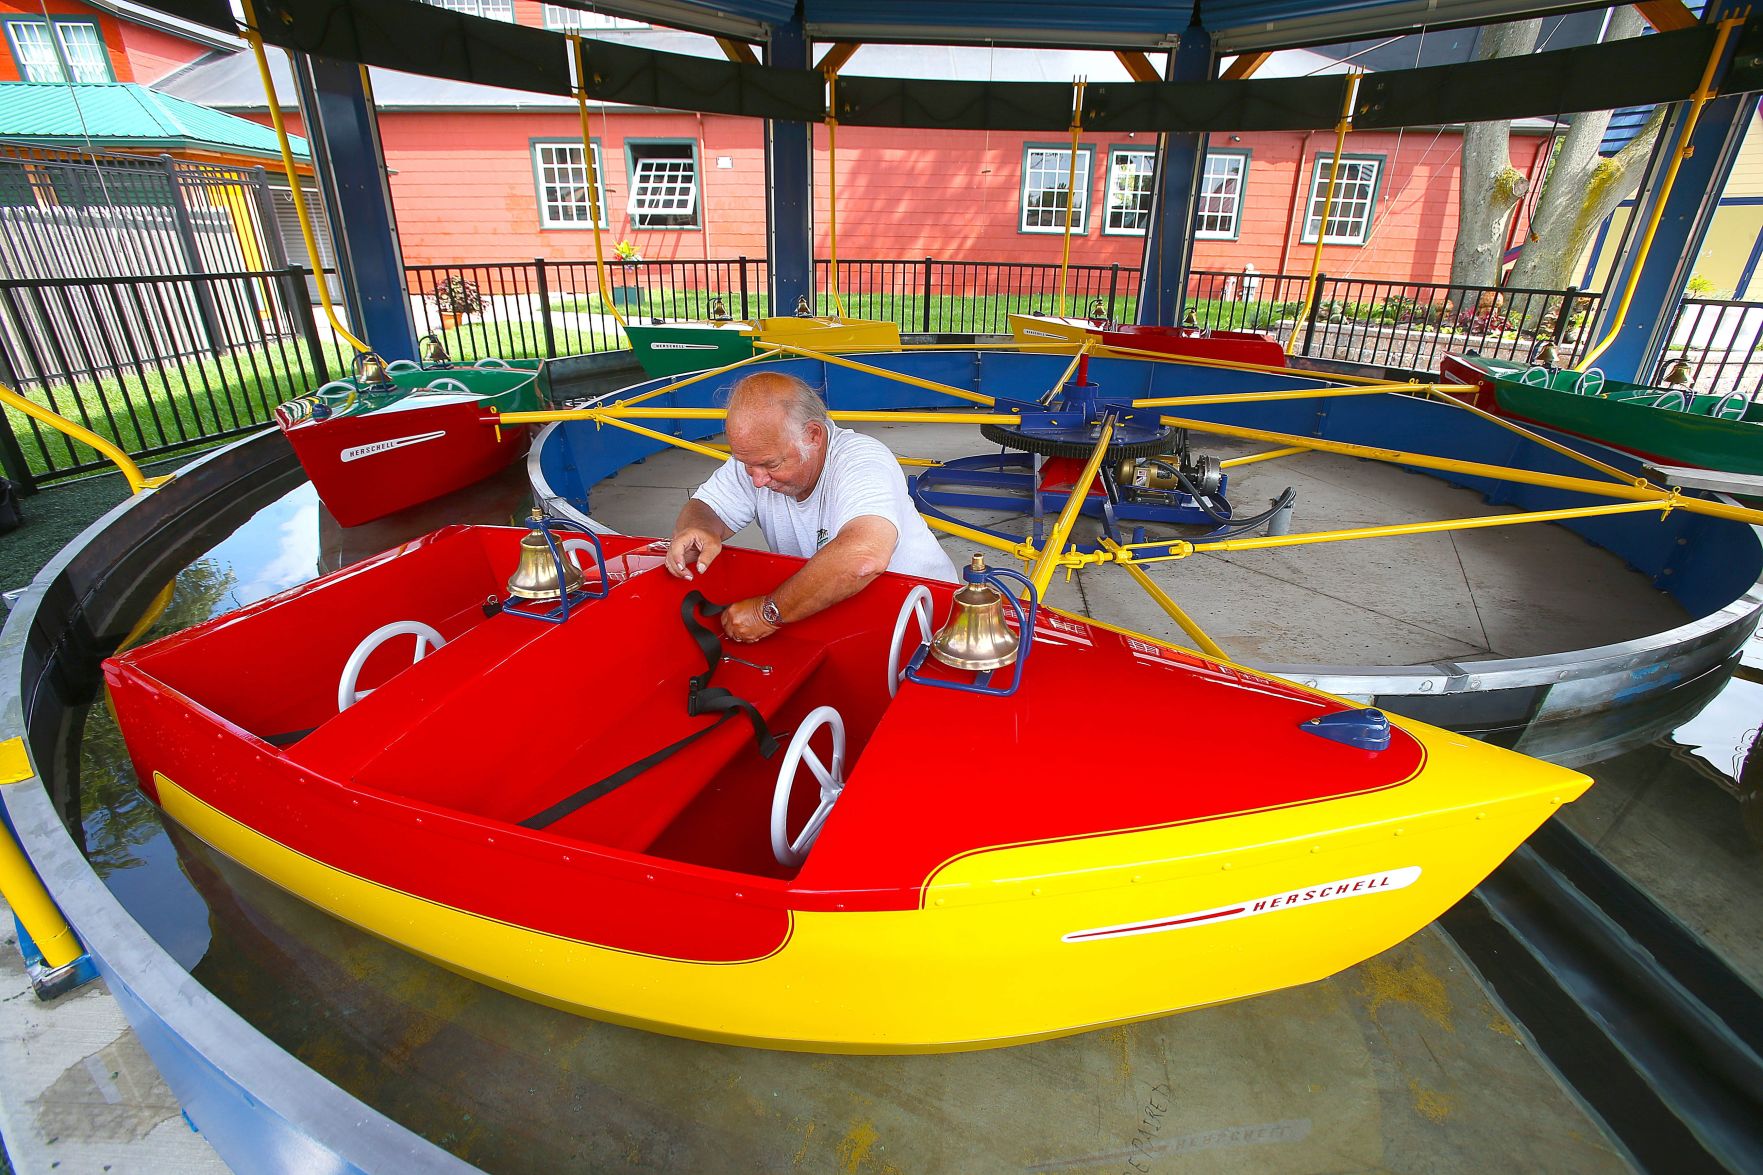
(124, 114)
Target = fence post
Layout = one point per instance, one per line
(1561, 319)
(746, 311)
(1113, 284)
(545, 308)
(928, 262)
(1315, 309)
(300, 306)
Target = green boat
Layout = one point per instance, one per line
(1669, 426)
(674, 348)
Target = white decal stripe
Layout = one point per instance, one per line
(357, 452)
(1351, 887)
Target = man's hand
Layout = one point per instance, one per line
(692, 550)
(742, 623)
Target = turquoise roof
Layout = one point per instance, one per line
(123, 114)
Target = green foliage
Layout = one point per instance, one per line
(457, 295)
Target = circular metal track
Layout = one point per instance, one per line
(1137, 442)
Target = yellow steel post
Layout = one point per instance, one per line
(1444, 393)
(255, 40)
(1162, 599)
(1253, 458)
(1697, 100)
(1334, 175)
(579, 61)
(19, 883)
(832, 187)
(1077, 126)
(692, 379)
(912, 381)
(1042, 575)
(137, 480)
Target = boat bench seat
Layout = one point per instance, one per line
(634, 814)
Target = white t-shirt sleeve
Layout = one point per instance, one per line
(866, 486)
(730, 494)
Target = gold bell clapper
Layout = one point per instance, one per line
(546, 575)
(370, 369)
(977, 638)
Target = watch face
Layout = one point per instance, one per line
(768, 612)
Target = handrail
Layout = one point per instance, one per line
(137, 480)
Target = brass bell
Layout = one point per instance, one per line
(1678, 374)
(976, 637)
(719, 310)
(433, 353)
(371, 369)
(1546, 355)
(1190, 321)
(535, 576)
(1098, 311)
(803, 309)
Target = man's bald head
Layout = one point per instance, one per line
(770, 399)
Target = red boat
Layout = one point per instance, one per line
(372, 449)
(586, 809)
(1231, 346)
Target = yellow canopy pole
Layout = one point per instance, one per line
(1077, 126)
(579, 59)
(1042, 575)
(1441, 392)
(1481, 522)
(1163, 600)
(832, 188)
(1253, 458)
(137, 480)
(1334, 176)
(883, 373)
(1070, 369)
(676, 442)
(1578, 485)
(1697, 100)
(281, 133)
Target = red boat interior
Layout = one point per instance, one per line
(512, 716)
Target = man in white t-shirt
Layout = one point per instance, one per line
(830, 495)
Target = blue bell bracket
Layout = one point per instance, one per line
(557, 611)
(993, 577)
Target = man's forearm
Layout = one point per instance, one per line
(837, 572)
(697, 514)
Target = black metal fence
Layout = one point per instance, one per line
(1720, 338)
(162, 363)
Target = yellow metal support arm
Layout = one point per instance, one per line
(1445, 392)
(19, 883)
(1255, 458)
(579, 60)
(137, 480)
(1042, 575)
(1334, 176)
(1163, 600)
(1237, 365)
(911, 381)
(508, 419)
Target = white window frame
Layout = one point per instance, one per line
(34, 43)
(502, 10)
(1223, 177)
(1355, 200)
(548, 174)
(559, 19)
(663, 185)
(1114, 208)
(1052, 162)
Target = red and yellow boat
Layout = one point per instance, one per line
(1182, 342)
(988, 869)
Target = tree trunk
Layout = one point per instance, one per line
(1489, 187)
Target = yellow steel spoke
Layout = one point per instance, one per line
(690, 380)
(1163, 601)
(928, 385)
(1443, 392)
(1266, 397)
(677, 442)
(1252, 458)
(1055, 546)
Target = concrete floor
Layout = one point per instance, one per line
(1401, 1063)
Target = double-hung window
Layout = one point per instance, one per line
(1355, 196)
(561, 172)
(502, 10)
(664, 184)
(35, 44)
(1129, 191)
(1046, 184)
(1218, 213)
(561, 19)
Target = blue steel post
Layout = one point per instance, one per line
(1636, 351)
(344, 134)
(789, 181)
(1169, 238)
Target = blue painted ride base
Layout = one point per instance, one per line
(49, 982)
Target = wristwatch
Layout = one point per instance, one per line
(768, 612)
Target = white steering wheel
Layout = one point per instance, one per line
(1536, 377)
(427, 639)
(401, 365)
(790, 853)
(917, 604)
(1673, 401)
(1731, 406)
(1591, 383)
(491, 361)
(447, 384)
